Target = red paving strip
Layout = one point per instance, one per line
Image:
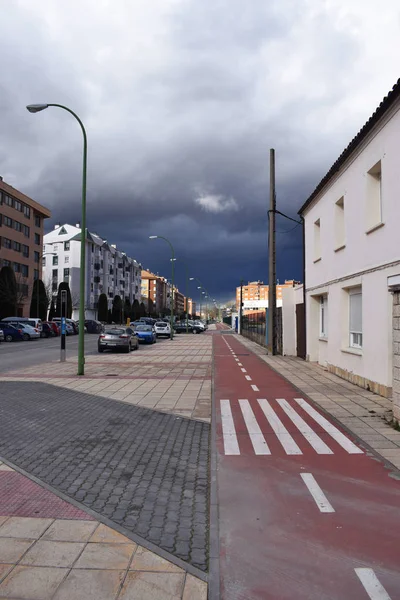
(21, 497)
(274, 541)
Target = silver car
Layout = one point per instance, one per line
(28, 332)
(118, 338)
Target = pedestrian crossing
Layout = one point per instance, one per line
(265, 418)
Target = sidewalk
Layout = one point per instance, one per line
(49, 549)
(357, 409)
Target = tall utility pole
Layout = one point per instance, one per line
(241, 307)
(271, 257)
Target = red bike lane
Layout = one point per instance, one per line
(304, 511)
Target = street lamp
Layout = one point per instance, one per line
(160, 237)
(34, 108)
(37, 280)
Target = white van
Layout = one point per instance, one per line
(35, 323)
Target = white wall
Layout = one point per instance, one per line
(290, 297)
(361, 261)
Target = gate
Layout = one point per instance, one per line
(300, 331)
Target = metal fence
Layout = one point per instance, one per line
(254, 327)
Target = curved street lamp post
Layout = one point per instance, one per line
(160, 237)
(34, 108)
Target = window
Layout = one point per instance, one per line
(374, 197)
(317, 240)
(36, 274)
(17, 226)
(55, 260)
(8, 200)
(7, 243)
(17, 246)
(323, 317)
(27, 211)
(6, 263)
(66, 274)
(339, 224)
(18, 205)
(25, 250)
(37, 221)
(36, 256)
(17, 268)
(26, 230)
(66, 259)
(66, 246)
(355, 318)
(37, 239)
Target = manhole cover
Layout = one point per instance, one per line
(111, 375)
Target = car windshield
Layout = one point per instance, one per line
(161, 324)
(114, 331)
(142, 327)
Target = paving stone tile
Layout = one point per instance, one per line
(3, 520)
(195, 589)
(32, 583)
(4, 570)
(152, 586)
(107, 535)
(24, 527)
(106, 556)
(144, 560)
(90, 584)
(12, 549)
(67, 530)
(52, 554)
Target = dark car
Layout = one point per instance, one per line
(1, 335)
(117, 338)
(11, 333)
(93, 326)
(47, 330)
(54, 326)
(191, 328)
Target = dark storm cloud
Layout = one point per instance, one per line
(182, 101)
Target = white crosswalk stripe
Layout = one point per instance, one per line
(258, 430)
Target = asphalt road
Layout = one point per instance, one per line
(17, 355)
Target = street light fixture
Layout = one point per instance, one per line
(160, 237)
(34, 108)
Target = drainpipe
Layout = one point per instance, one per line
(304, 284)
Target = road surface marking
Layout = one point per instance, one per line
(331, 429)
(255, 433)
(231, 445)
(320, 499)
(237, 360)
(288, 443)
(319, 446)
(372, 585)
(243, 370)
(254, 388)
(240, 364)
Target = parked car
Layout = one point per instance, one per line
(1, 335)
(145, 333)
(191, 328)
(148, 320)
(117, 338)
(93, 326)
(54, 326)
(162, 329)
(200, 324)
(71, 326)
(11, 333)
(29, 333)
(47, 330)
(35, 323)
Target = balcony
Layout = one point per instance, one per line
(96, 279)
(96, 266)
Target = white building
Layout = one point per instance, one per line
(352, 224)
(108, 270)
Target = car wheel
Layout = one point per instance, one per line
(8, 338)
(100, 349)
(26, 337)
(127, 349)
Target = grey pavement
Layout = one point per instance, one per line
(142, 469)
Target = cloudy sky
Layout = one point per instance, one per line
(182, 100)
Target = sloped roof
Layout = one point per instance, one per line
(384, 106)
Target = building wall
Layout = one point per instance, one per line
(362, 251)
(18, 211)
(258, 292)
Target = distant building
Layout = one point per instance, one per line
(255, 295)
(179, 302)
(190, 306)
(154, 288)
(21, 237)
(108, 270)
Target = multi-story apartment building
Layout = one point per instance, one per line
(154, 288)
(108, 270)
(179, 302)
(255, 294)
(353, 255)
(190, 306)
(21, 237)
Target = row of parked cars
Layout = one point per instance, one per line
(24, 328)
(145, 330)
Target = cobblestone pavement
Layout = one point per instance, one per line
(145, 470)
(172, 377)
(358, 409)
